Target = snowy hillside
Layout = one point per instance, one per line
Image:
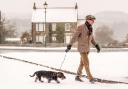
(106, 65)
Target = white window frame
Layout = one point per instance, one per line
(67, 27)
(54, 27)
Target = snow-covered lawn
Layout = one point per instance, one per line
(106, 65)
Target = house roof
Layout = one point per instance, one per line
(55, 15)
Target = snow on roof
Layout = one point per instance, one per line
(55, 15)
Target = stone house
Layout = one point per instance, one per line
(46, 22)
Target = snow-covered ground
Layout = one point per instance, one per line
(106, 65)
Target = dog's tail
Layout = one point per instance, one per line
(32, 75)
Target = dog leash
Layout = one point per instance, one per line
(63, 60)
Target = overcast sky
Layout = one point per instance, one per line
(23, 7)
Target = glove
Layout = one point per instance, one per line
(97, 47)
(68, 48)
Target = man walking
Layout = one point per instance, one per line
(84, 36)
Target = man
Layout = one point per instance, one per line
(84, 36)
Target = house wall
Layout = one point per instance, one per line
(44, 37)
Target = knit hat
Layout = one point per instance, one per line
(90, 17)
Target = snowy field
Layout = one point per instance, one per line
(105, 65)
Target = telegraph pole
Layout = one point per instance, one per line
(1, 28)
(45, 7)
(76, 8)
(0, 17)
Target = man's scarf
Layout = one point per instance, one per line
(90, 29)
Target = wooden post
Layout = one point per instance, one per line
(0, 17)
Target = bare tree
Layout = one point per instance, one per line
(26, 38)
(10, 29)
(104, 35)
(2, 20)
(126, 39)
(6, 28)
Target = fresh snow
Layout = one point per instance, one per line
(104, 65)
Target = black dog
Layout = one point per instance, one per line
(49, 75)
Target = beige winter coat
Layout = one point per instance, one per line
(84, 41)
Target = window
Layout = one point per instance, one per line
(67, 27)
(40, 39)
(37, 27)
(40, 27)
(68, 37)
(54, 37)
(54, 27)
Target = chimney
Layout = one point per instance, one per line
(76, 6)
(34, 6)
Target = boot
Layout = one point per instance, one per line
(92, 81)
(77, 78)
